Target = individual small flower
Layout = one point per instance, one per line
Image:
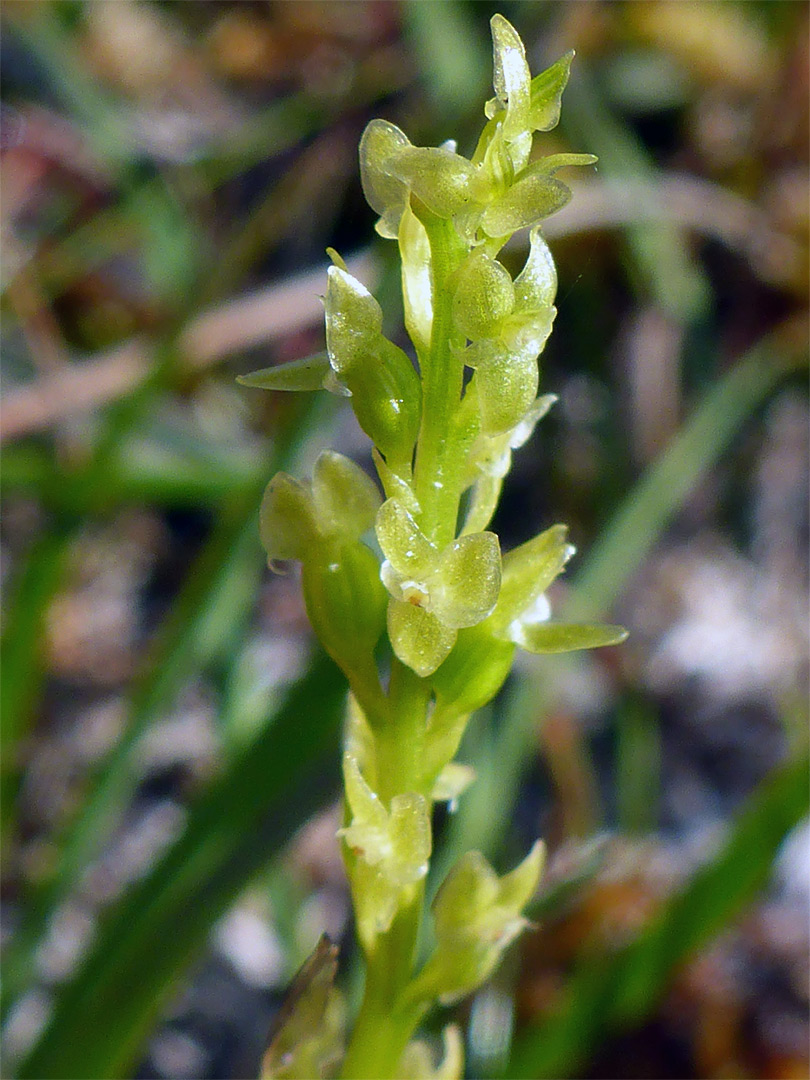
(505, 357)
(341, 502)
(477, 915)
(321, 523)
(434, 592)
(391, 849)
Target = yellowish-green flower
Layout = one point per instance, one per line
(434, 593)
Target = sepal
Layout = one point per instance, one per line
(528, 571)
(287, 522)
(385, 193)
(346, 500)
(511, 79)
(438, 177)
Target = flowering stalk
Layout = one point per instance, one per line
(451, 608)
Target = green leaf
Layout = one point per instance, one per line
(547, 637)
(149, 938)
(305, 374)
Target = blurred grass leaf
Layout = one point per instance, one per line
(610, 992)
(147, 941)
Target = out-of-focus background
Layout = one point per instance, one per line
(171, 175)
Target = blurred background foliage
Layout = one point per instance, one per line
(171, 175)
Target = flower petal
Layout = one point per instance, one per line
(287, 522)
(417, 637)
(464, 586)
(528, 571)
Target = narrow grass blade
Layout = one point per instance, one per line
(288, 772)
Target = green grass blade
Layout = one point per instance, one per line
(22, 669)
(649, 507)
(287, 773)
(620, 990)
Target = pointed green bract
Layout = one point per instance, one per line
(305, 374)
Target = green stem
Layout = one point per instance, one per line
(383, 1026)
(436, 476)
(382, 1030)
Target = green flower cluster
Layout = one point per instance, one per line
(417, 566)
